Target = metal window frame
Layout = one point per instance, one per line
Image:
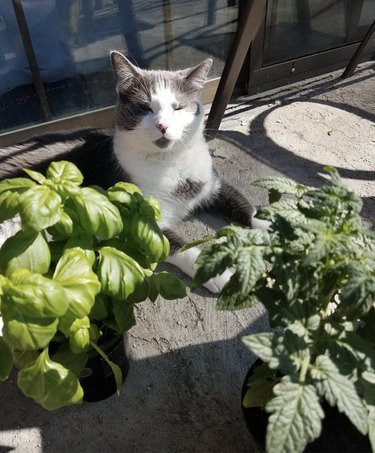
(100, 118)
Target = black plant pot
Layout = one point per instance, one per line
(338, 434)
(97, 378)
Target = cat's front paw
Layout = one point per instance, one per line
(216, 284)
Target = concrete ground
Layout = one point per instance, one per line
(182, 393)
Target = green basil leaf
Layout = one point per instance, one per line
(148, 236)
(26, 250)
(15, 185)
(62, 172)
(70, 360)
(35, 175)
(97, 215)
(123, 192)
(49, 383)
(24, 358)
(84, 243)
(79, 341)
(101, 307)
(124, 316)
(155, 205)
(63, 228)
(10, 190)
(74, 273)
(119, 274)
(24, 332)
(40, 208)
(35, 295)
(6, 360)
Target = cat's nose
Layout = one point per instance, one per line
(162, 127)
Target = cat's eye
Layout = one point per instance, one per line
(146, 108)
(177, 107)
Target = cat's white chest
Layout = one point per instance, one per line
(180, 180)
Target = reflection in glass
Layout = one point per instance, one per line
(72, 39)
(295, 28)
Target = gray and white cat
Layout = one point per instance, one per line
(158, 144)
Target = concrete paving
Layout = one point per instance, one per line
(182, 393)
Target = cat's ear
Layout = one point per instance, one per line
(125, 72)
(198, 75)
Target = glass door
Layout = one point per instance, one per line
(302, 37)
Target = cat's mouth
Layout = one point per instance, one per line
(162, 142)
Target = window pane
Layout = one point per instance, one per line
(72, 39)
(303, 27)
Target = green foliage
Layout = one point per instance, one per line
(70, 278)
(314, 271)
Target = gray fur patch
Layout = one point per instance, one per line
(188, 189)
(162, 142)
(134, 94)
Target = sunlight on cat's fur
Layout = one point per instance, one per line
(158, 144)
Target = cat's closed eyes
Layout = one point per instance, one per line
(158, 144)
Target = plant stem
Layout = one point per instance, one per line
(304, 367)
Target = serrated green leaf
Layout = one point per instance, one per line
(369, 377)
(63, 171)
(250, 266)
(6, 360)
(212, 261)
(25, 250)
(295, 418)
(167, 285)
(358, 293)
(49, 383)
(40, 208)
(340, 390)
(273, 196)
(281, 185)
(371, 427)
(260, 344)
(285, 208)
(232, 299)
(260, 386)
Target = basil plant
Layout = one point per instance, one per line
(314, 271)
(72, 274)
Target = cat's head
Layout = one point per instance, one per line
(163, 108)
